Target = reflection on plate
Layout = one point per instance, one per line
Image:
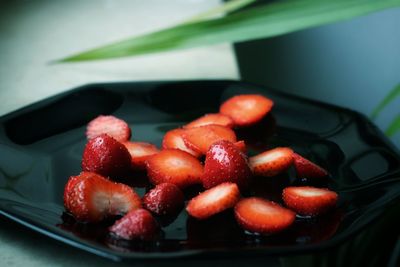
(41, 146)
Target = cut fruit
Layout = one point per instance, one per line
(164, 199)
(114, 127)
(212, 118)
(271, 162)
(173, 139)
(307, 169)
(140, 152)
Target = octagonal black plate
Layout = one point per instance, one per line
(41, 146)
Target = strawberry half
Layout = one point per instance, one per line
(90, 197)
(138, 224)
(174, 166)
(271, 162)
(308, 200)
(106, 156)
(307, 169)
(114, 127)
(201, 138)
(173, 139)
(213, 201)
(246, 110)
(212, 118)
(140, 152)
(241, 145)
(263, 216)
(225, 163)
(164, 199)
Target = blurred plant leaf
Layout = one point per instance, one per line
(389, 98)
(225, 8)
(394, 127)
(255, 23)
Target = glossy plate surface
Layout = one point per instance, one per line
(41, 146)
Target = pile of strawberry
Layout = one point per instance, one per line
(95, 194)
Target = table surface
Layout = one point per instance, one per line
(33, 33)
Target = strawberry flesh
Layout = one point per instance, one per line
(114, 127)
(213, 201)
(225, 163)
(164, 199)
(138, 224)
(90, 197)
(201, 138)
(174, 166)
(308, 200)
(106, 156)
(246, 110)
(173, 139)
(212, 118)
(271, 162)
(140, 152)
(262, 216)
(307, 169)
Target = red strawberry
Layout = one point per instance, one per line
(174, 166)
(106, 156)
(225, 163)
(201, 138)
(114, 127)
(213, 201)
(308, 200)
(262, 216)
(307, 169)
(91, 198)
(271, 162)
(246, 110)
(140, 152)
(212, 118)
(241, 145)
(173, 139)
(164, 199)
(137, 224)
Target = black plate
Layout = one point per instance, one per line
(41, 146)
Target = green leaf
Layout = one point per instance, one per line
(226, 8)
(394, 127)
(389, 98)
(255, 23)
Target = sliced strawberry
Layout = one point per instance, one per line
(213, 201)
(271, 162)
(246, 110)
(307, 169)
(212, 118)
(308, 200)
(173, 139)
(90, 197)
(262, 216)
(201, 138)
(241, 145)
(114, 127)
(106, 156)
(225, 163)
(164, 199)
(138, 224)
(140, 152)
(174, 166)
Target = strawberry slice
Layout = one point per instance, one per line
(212, 118)
(262, 216)
(241, 145)
(307, 169)
(106, 156)
(246, 110)
(114, 127)
(138, 224)
(213, 201)
(225, 163)
(308, 200)
(201, 138)
(174, 166)
(90, 197)
(271, 162)
(164, 199)
(140, 152)
(173, 139)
